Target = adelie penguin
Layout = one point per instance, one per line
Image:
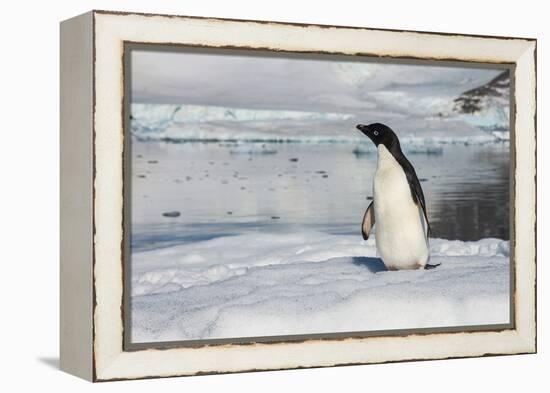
(398, 207)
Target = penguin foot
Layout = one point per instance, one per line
(429, 267)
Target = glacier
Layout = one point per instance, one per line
(181, 123)
(191, 123)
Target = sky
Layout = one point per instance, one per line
(290, 83)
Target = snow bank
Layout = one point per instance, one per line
(310, 282)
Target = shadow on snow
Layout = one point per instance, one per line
(374, 265)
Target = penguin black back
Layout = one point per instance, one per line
(381, 134)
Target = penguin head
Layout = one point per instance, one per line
(379, 134)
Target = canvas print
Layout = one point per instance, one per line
(276, 195)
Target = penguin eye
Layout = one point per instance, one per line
(375, 133)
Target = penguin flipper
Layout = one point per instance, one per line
(368, 221)
(415, 187)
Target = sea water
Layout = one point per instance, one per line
(188, 192)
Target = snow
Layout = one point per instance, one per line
(306, 282)
(495, 119)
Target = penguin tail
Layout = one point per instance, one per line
(430, 267)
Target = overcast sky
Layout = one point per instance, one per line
(292, 83)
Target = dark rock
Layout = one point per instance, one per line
(172, 214)
(473, 101)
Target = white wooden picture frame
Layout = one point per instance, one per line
(92, 195)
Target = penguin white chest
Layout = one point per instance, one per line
(401, 238)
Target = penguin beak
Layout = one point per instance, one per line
(364, 129)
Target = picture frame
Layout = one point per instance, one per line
(93, 286)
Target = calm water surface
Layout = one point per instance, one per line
(226, 189)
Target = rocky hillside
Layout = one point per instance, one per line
(487, 106)
(476, 100)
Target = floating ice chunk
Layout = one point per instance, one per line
(253, 149)
(361, 150)
(503, 136)
(426, 149)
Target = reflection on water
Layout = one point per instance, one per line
(469, 199)
(222, 189)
